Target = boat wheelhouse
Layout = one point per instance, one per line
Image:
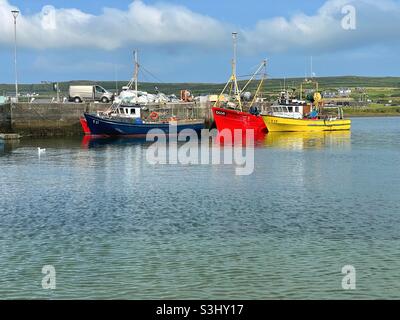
(132, 113)
(287, 111)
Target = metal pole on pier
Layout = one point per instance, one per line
(15, 14)
(58, 93)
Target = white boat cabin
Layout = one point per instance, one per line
(287, 111)
(131, 112)
(302, 111)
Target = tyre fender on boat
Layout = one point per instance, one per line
(154, 115)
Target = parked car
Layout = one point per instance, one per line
(89, 93)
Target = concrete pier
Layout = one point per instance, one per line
(5, 118)
(62, 119)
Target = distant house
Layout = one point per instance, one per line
(344, 92)
(329, 94)
(3, 99)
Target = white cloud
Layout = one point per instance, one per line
(163, 24)
(159, 24)
(378, 22)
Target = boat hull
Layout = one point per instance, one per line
(280, 124)
(234, 119)
(110, 127)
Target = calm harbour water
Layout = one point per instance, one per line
(115, 226)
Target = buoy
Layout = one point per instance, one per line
(154, 116)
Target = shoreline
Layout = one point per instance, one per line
(371, 115)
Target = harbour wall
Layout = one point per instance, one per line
(62, 119)
(5, 118)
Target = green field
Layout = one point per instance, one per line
(372, 111)
(382, 93)
(377, 86)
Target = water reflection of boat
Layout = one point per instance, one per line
(230, 138)
(8, 146)
(99, 141)
(308, 140)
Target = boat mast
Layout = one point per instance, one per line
(234, 37)
(136, 70)
(232, 82)
(236, 90)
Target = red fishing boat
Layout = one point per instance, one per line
(236, 119)
(230, 114)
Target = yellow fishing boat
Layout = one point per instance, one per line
(282, 124)
(292, 115)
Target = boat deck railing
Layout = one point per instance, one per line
(165, 111)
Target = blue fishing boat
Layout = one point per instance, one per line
(129, 120)
(130, 115)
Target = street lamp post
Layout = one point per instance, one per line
(15, 14)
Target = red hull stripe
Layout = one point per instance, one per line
(84, 125)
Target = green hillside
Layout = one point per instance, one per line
(375, 87)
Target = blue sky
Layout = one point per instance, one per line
(189, 41)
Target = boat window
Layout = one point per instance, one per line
(133, 111)
(296, 109)
(290, 109)
(126, 111)
(121, 110)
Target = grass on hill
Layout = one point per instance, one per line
(378, 89)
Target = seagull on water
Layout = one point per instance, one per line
(40, 150)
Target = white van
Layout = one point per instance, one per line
(92, 93)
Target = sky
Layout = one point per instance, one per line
(190, 41)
